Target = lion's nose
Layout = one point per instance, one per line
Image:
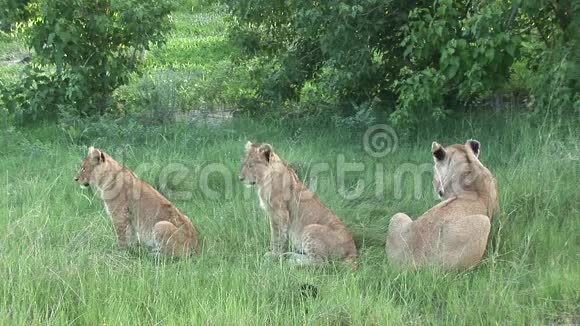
(241, 178)
(76, 178)
(440, 193)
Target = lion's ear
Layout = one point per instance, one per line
(437, 151)
(248, 146)
(267, 151)
(474, 146)
(96, 155)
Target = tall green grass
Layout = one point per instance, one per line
(60, 265)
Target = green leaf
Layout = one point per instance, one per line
(510, 49)
(453, 68)
(489, 54)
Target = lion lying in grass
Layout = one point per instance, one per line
(296, 214)
(454, 233)
(140, 214)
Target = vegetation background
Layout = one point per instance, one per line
(154, 83)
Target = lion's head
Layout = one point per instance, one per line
(91, 167)
(256, 164)
(456, 168)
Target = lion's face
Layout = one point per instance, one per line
(256, 163)
(90, 167)
(454, 171)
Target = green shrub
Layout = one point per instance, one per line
(456, 53)
(349, 50)
(15, 12)
(85, 50)
(430, 58)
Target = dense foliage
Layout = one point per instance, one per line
(413, 60)
(459, 51)
(13, 12)
(84, 50)
(427, 56)
(329, 52)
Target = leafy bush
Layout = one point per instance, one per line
(41, 94)
(85, 50)
(423, 58)
(13, 12)
(349, 51)
(454, 51)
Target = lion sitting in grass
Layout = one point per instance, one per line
(453, 234)
(296, 215)
(140, 214)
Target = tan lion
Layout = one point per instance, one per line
(453, 234)
(140, 214)
(296, 215)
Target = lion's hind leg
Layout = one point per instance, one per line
(172, 241)
(464, 241)
(320, 243)
(399, 248)
(311, 246)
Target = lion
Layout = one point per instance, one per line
(453, 234)
(297, 216)
(140, 214)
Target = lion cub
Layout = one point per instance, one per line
(140, 214)
(296, 214)
(453, 234)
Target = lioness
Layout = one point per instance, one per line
(140, 214)
(296, 214)
(453, 234)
